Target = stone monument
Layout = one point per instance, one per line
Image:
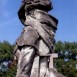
(34, 47)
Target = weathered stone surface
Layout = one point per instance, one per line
(24, 61)
(35, 44)
(35, 67)
(28, 5)
(27, 37)
(43, 50)
(43, 66)
(48, 39)
(54, 55)
(54, 73)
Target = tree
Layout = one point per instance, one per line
(67, 61)
(6, 56)
(5, 51)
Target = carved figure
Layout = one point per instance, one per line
(36, 42)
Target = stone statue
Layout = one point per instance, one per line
(36, 42)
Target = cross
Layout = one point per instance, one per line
(53, 55)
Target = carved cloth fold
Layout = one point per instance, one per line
(40, 25)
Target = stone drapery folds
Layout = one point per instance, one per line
(36, 42)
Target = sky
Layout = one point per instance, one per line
(64, 10)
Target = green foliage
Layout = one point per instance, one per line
(5, 51)
(67, 61)
(11, 72)
(6, 54)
